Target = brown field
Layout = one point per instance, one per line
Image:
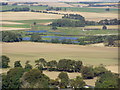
(24, 51)
(91, 15)
(54, 74)
(6, 22)
(10, 28)
(56, 4)
(100, 27)
(27, 16)
(104, 7)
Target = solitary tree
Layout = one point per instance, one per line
(107, 9)
(64, 79)
(28, 66)
(54, 27)
(36, 38)
(17, 64)
(34, 23)
(5, 60)
(104, 27)
(87, 72)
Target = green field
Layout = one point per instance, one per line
(78, 9)
(8, 7)
(85, 9)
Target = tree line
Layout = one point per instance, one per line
(69, 20)
(17, 9)
(111, 40)
(29, 77)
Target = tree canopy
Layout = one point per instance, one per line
(8, 36)
(4, 61)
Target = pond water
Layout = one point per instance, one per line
(60, 38)
(26, 38)
(54, 37)
(40, 31)
(43, 31)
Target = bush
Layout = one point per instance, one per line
(34, 79)
(8, 36)
(17, 64)
(99, 70)
(64, 79)
(28, 67)
(77, 82)
(36, 38)
(4, 61)
(104, 27)
(107, 80)
(12, 79)
(87, 72)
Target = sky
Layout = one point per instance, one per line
(64, 0)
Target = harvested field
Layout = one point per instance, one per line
(6, 22)
(97, 45)
(91, 82)
(27, 16)
(24, 51)
(92, 16)
(10, 28)
(54, 75)
(56, 4)
(113, 68)
(100, 27)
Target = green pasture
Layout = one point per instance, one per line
(85, 9)
(8, 7)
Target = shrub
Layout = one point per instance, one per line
(4, 61)
(12, 79)
(17, 64)
(34, 79)
(87, 72)
(107, 80)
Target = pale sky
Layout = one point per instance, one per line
(64, 0)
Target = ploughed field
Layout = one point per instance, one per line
(24, 51)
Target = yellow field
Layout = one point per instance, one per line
(100, 27)
(27, 16)
(24, 51)
(91, 15)
(6, 22)
(10, 28)
(55, 4)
